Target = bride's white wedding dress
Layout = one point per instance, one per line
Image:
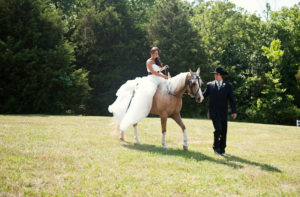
(134, 99)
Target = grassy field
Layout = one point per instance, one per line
(82, 156)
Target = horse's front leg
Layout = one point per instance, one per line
(163, 120)
(178, 120)
(135, 133)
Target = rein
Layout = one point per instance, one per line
(190, 90)
(169, 92)
(190, 85)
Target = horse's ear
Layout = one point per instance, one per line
(191, 72)
(198, 71)
(169, 75)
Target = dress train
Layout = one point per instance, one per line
(134, 100)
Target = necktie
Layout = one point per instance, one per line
(219, 85)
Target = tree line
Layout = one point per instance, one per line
(71, 56)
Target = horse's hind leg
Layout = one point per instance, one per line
(178, 120)
(163, 121)
(135, 133)
(121, 132)
(122, 135)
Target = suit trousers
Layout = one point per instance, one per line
(220, 133)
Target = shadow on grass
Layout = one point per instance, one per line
(182, 153)
(261, 165)
(198, 156)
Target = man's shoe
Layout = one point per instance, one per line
(217, 153)
(222, 151)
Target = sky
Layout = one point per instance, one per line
(258, 6)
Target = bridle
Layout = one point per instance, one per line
(190, 85)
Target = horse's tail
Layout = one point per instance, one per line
(115, 127)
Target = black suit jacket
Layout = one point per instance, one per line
(218, 99)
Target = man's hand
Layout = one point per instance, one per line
(234, 115)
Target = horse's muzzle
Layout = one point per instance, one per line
(199, 99)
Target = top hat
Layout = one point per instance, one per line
(220, 70)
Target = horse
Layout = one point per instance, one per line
(167, 102)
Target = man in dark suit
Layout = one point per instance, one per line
(220, 93)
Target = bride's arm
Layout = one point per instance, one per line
(164, 68)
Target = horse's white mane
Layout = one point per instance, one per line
(177, 83)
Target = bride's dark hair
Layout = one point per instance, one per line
(158, 62)
(153, 49)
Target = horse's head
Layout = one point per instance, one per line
(194, 84)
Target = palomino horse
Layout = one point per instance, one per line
(167, 102)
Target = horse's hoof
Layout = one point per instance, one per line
(185, 147)
(165, 147)
(137, 141)
(122, 139)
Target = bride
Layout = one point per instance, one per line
(134, 98)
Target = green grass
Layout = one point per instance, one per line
(82, 156)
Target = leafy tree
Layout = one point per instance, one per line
(170, 29)
(230, 39)
(298, 82)
(273, 96)
(142, 11)
(37, 72)
(180, 47)
(111, 47)
(285, 26)
(267, 11)
(70, 10)
(52, 52)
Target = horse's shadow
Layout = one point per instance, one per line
(228, 160)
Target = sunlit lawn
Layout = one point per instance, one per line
(82, 156)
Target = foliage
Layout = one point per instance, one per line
(270, 99)
(110, 46)
(37, 72)
(69, 12)
(71, 56)
(170, 29)
(285, 25)
(273, 97)
(233, 40)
